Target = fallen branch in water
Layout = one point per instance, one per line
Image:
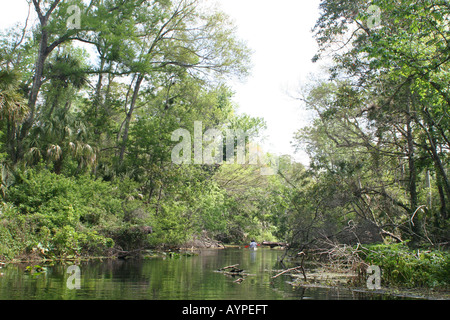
(286, 271)
(294, 269)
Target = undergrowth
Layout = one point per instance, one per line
(403, 266)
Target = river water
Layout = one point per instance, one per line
(179, 278)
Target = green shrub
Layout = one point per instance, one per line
(171, 226)
(67, 241)
(16, 233)
(128, 237)
(406, 267)
(62, 215)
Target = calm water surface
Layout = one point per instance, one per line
(183, 278)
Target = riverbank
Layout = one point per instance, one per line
(409, 271)
(326, 279)
(37, 255)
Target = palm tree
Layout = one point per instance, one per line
(60, 137)
(66, 76)
(59, 132)
(13, 109)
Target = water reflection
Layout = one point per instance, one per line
(252, 255)
(182, 278)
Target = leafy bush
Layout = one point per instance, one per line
(63, 215)
(55, 200)
(15, 235)
(403, 266)
(68, 241)
(170, 225)
(128, 237)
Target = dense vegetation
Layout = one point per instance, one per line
(379, 143)
(88, 111)
(402, 266)
(90, 97)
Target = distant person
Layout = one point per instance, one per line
(253, 244)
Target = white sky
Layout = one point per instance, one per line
(279, 33)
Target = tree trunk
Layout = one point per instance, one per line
(412, 173)
(36, 86)
(129, 118)
(43, 53)
(438, 163)
(442, 199)
(441, 175)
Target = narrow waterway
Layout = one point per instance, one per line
(177, 278)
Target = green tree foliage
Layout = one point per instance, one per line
(90, 96)
(379, 142)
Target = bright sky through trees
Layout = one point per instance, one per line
(280, 35)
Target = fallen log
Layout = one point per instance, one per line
(273, 244)
(232, 270)
(123, 254)
(229, 267)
